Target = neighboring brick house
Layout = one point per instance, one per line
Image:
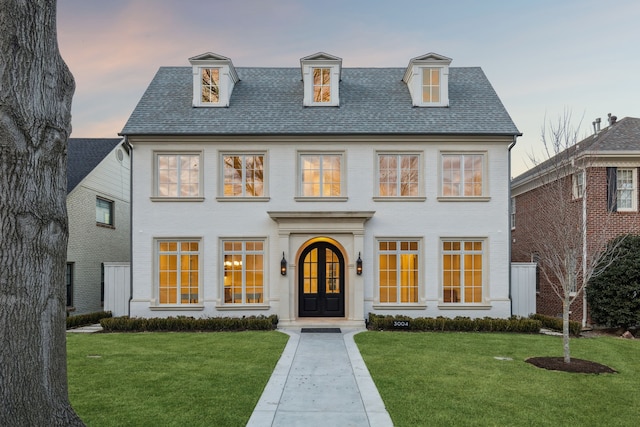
(609, 161)
(320, 192)
(98, 188)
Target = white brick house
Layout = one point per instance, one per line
(264, 190)
(98, 187)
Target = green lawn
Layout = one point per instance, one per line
(170, 379)
(453, 379)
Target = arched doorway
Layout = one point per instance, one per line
(321, 275)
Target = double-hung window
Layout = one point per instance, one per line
(462, 271)
(243, 175)
(178, 271)
(398, 272)
(321, 175)
(243, 262)
(178, 175)
(321, 85)
(210, 87)
(578, 184)
(104, 211)
(399, 175)
(626, 189)
(462, 175)
(431, 85)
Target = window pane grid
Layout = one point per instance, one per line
(462, 278)
(398, 175)
(243, 272)
(178, 175)
(462, 175)
(321, 85)
(625, 189)
(243, 175)
(210, 85)
(321, 175)
(178, 272)
(430, 85)
(398, 271)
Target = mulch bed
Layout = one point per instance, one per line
(576, 366)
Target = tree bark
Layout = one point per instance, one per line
(36, 89)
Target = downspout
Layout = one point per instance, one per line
(515, 137)
(584, 251)
(126, 141)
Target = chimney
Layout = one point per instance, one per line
(596, 126)
(612, 119)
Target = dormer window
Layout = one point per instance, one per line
(427, 78)
(321, 78)
(214, 77)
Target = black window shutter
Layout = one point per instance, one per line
(612, 182)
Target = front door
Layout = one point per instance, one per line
(321, 281)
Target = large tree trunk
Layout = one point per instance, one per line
(36, 88)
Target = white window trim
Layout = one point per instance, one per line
(634, 190)
(486, 303)
(343, 177)
(485, 197)
(307, 73)
(512, 212)
(574, 184)
(155, 301)
(421, 303)
(154, 191)
(221, 305)
(421, 186)
(244, 198)
(112, 213)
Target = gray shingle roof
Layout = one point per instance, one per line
(623, 135)
(269, 101)
(83, 155)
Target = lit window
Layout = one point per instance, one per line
(578, 184)
(398, 175)
(398, 271)
(243, 175)
(462, 271)
(321, 175)
(104, 211)
(178, 175)
(322, 85)
(462, 175)
(626, 193)
(178, 271)
(431, 85)
(243, 271)
(210, 85)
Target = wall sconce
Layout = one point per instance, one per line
(283, 265)
(359, 265)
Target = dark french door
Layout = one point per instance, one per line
(321, 281)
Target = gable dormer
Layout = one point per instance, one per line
(321, 80)
(427, 78)
(213, 80)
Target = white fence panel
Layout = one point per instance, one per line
(523, 288)
(117, 279)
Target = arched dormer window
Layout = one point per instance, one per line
(321, 78)
(213, 80)
(427, 78)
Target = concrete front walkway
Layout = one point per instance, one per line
(320, 380)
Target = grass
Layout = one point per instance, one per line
(454, 379)
(170, 379)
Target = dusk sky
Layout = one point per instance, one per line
(543, 57)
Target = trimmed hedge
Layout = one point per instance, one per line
(460, 324)
(86, 319)
(555, 323)
(183, 323)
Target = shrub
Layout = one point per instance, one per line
(614, 295)
(86, 319)
(555, 323)
(183, 323)
(462, 324)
